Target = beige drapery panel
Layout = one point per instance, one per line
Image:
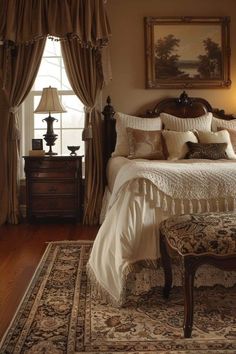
(83, 22)
(84, 70)
(24, 21)
(22, 62)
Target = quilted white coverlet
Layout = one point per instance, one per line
(144, 194)
(184, 182)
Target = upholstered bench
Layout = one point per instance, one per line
(207, 238)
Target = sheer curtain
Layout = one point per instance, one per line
(24, 26)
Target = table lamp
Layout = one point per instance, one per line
(50, 103)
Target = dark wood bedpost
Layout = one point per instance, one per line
(109, 130)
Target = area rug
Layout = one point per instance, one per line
(60, 314)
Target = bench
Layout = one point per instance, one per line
(207, 238)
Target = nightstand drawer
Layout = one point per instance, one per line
(52, 174)
(51, 164)
(62, 187)
(53, 203)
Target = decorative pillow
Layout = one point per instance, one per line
(218, 137)
(145, 144)
(221, 123)
(202, 123)
(123, 121)
(212, 151)
(232, 134)
(176, 143)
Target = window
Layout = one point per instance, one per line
(70, 124)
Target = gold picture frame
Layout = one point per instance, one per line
(187, 52)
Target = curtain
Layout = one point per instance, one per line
(83, 28)
(84, 70)
(24, 21)
(22, 62)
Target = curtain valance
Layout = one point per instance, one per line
(24, 21)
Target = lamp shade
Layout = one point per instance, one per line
(50, 102)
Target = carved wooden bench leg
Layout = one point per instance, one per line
(166, 262)
(188, 280)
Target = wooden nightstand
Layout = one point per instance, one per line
(53, 186)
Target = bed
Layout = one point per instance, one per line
(144, 190)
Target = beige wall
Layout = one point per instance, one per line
(127, 88)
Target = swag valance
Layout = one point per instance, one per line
(85, 20)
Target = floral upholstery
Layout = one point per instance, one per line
(213, 233)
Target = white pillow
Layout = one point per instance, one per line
(221, 123)
(202, 123)
(221, 136)
(176, 143)
(123, 121)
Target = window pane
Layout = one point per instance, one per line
(74, 118)
(38, 117)
(52, 48)
(72, 137)
(49, 74)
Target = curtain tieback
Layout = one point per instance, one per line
(14, 109)
(88, 131)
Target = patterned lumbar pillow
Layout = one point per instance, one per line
(221, 136)
(214, 151)
(145, 144)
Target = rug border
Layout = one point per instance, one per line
(44, 255)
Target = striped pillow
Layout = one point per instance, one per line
(202, 123)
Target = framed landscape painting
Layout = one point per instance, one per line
(187, 52)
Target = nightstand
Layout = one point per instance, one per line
(53, 186)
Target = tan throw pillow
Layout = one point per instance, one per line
(222, 123)
(176, 143)
(232, 134)
(202, 123)
(123, 121)
(218, 137)
(145, 144)
(206, 151)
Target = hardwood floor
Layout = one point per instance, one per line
(21, 248)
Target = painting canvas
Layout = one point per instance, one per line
(187, 53)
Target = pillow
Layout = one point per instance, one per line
(218, 137)
(123, 121)
(176, 143)
(145, 144)
(221, 123)
(202, 123)
(214, 151)
(232, 134)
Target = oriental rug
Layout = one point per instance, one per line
(60, 314)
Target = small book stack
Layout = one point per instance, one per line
(36, 152)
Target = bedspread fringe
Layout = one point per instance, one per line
(184, 206)
(101, 293)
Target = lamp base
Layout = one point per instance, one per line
(51, 153)
(50, 141)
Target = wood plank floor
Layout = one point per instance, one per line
(21, 248)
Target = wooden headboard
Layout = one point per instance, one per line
(183, 107)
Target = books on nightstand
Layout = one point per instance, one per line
(36, 152)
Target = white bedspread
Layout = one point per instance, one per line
(144, 194)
